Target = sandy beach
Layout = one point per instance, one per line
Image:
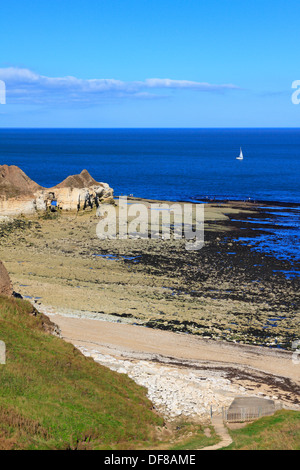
(124, 340)
(184, 374)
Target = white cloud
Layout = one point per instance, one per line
(24, 85)
(186, 84)
(15, 75)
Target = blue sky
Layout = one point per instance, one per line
(149, 63)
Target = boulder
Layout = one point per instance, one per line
(5, 282)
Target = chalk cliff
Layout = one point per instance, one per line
(20, 195)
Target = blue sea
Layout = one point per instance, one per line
(164, 163)
(171, 164)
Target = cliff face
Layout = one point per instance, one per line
(14, 182)
(16, 191)
(79, 191)
(20, 195)
(5, 282)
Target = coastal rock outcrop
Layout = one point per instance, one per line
(21, 195)
(79, 192)
(5, 282)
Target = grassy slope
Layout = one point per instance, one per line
(278, 432)
(51, 396)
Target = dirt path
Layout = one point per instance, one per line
(222, 432)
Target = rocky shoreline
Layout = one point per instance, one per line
(228, 290)
(227, 270)
(227, 293)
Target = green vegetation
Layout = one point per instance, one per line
(196, 438)
(53, 397)
(278, 432)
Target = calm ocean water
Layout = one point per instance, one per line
(164, 163)
(173, 164)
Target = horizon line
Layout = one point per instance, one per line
(145, 128)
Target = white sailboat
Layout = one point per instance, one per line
(241, 156)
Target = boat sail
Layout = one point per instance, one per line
(240, 157)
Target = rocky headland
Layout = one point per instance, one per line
(21, 195)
